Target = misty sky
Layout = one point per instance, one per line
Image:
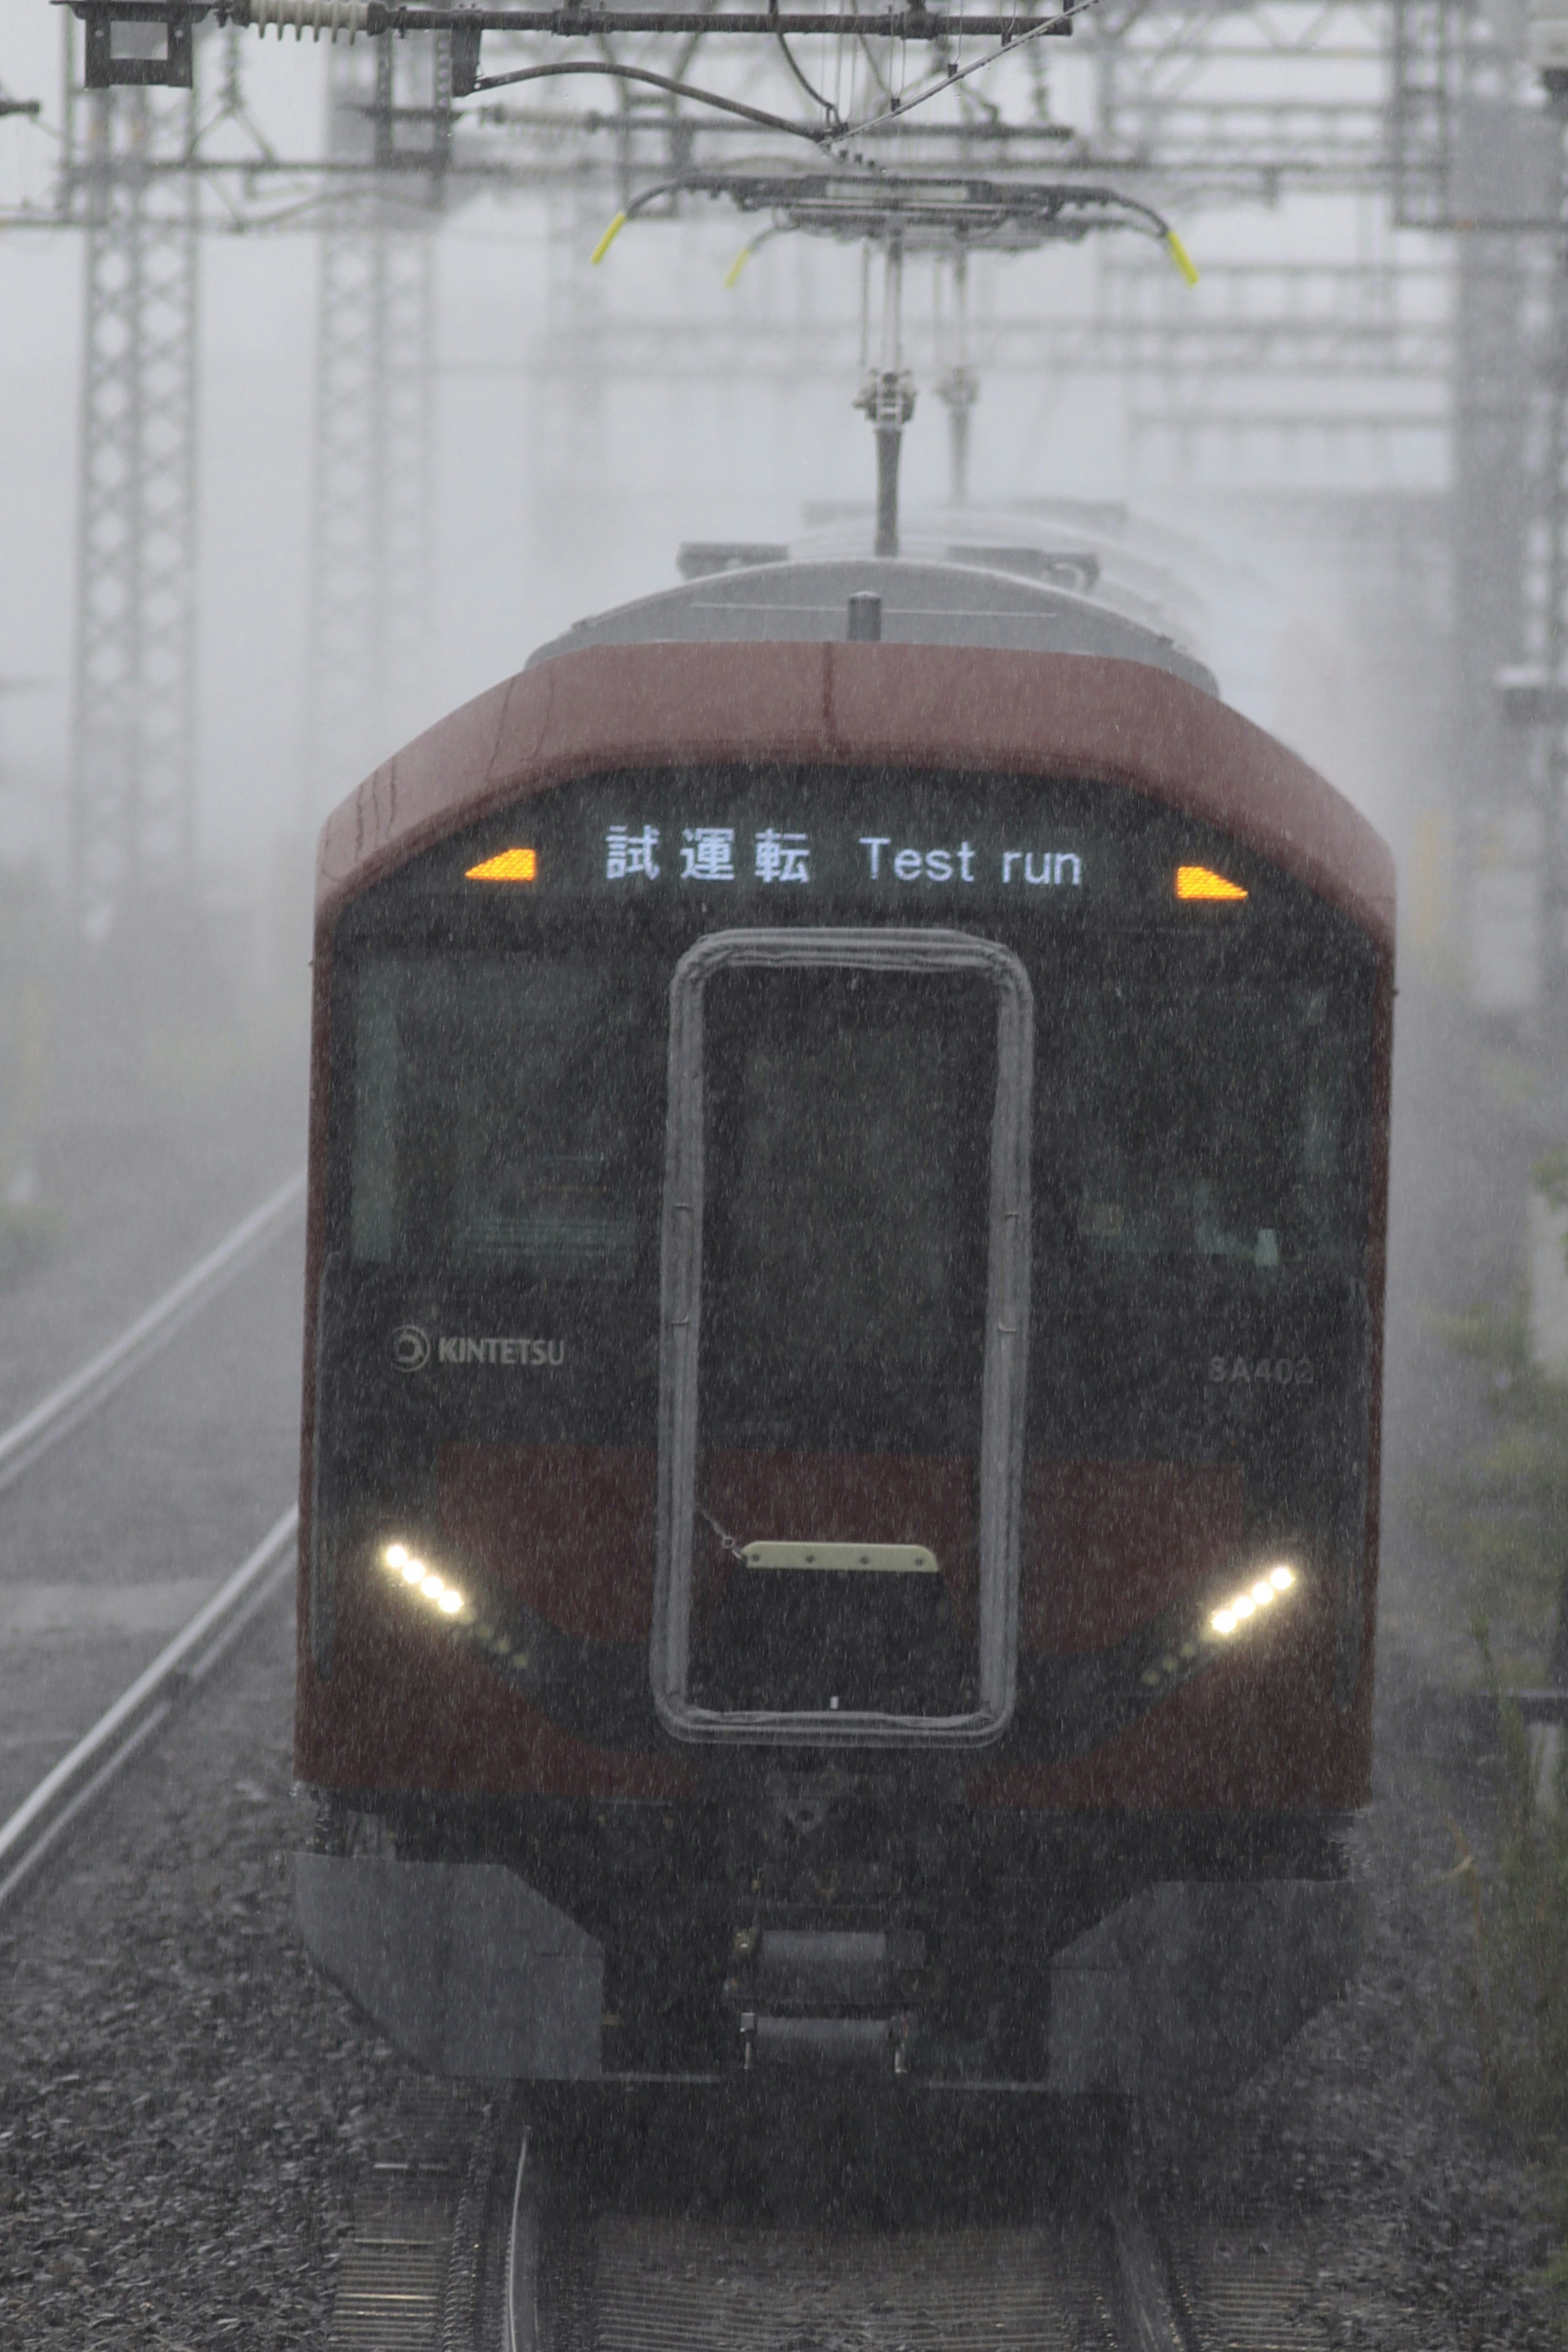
(542, 512)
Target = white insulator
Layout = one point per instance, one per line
(317, 17)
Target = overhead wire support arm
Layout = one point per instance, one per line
(376, 18)
(908, 24)
(831, 131)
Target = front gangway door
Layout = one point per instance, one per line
(843, 1302)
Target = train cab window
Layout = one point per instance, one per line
(847, 1128)
(1205, 1119)
(491, 1127)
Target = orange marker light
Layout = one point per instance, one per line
(1203, 882)
(510, 865)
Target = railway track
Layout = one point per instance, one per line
(63, 1411)
(69, 1790)
(82, 1776)
(466, 2241)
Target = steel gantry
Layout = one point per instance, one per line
(149, 163)
(1476, 152)
(1389, 347)
(1239, 103)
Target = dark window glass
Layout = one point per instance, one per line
(506, 1114)
(1188, 1116)
(508, 1117)
(846, 1150)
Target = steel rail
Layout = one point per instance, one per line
(1149, 2320)
(65, 1793)
(65, 1408)
(1139, 2286)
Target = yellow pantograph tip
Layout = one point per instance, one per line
(1181, 257)
(732, 274)
(608, 238)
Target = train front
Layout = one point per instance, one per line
(840, 1470)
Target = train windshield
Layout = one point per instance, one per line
(502, 1110)
(508, 1117)
(1203, 1117)
(846, 1150)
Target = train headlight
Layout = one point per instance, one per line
(1253, 1599)
(424, 1581)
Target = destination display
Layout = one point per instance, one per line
(726, 854)
(854, 846)
(790, 841)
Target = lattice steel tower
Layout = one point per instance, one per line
(372, 538)
(133, 811)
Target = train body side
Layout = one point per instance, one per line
(522, 1868)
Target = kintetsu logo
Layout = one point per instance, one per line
(410, 1348)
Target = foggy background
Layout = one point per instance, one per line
(558, 492)
(1360, 523)
(588, 419)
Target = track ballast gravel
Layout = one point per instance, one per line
(187, 2110)
(186, 2107)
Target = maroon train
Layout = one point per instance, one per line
(839, 1485)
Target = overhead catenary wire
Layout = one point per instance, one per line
(609, 70)
(829, 111)
(953, 75)
(829, 133)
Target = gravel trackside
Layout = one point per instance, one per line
(187, 2109)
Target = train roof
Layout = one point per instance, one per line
(1005, 596)
(1127, 562)
(1122, 558)
(976, 709)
